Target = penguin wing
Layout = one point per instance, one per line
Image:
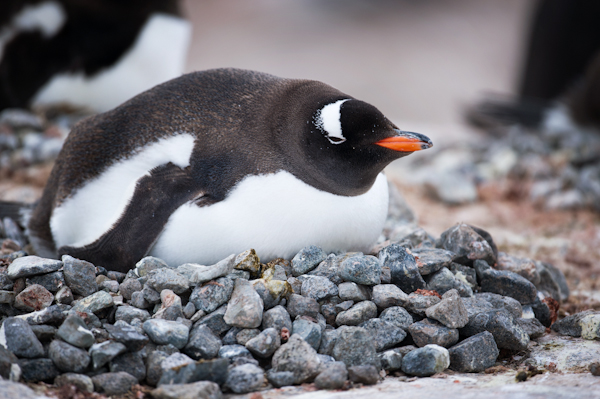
(156, 196)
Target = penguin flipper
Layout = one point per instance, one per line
(156, 196)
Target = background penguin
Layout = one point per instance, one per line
(90, 53)
(216, 162)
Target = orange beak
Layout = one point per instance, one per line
(406, 142)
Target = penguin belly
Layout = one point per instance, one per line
(277, 215)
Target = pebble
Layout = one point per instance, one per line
(357, 314)
(51, 281)
(245, 308)
(361, 269)
(266, 343)
(199, 274)
(426, 361)
(154, 370)
(34, 370)
(507, 333)
(5, 282)
(246, 334)
(277, 318)
(385, 334)
(31, 265)
(64, 296)
(202, 344)
(466, 244)
(532, 327)
(298, 305)
(465, 274)
(419, 303)
(150, 295)
(444, 280)
(355, 346)
(350, 291)
(245, 378)
(114, 383)
(51, 315)
(128, 313)
(195, 390)
(474, 354)
(34, 297)
(330, 268)
(427, 331)
(214, 370)
(309, 331)
(94, 303)
(328, 339)
(164, 332)
(388, 295)
(104, 352)
(213, 294)
(20, 339)
(318, 287)
(507, 303)
(271, 292)
(506, 283)
(403, 268)
(298, 357)
(127, 335)
(430, 260)
(44, 332)
(232, 352)
(280, 378)
(129, 362)
(397, 316)
(450, 311)
(307, 259)
(391, 360)
(333, 376)
(590, 326)
(248, 261)
(67, 357)
(363, 374)
(81, 381)
(149, 263)
(167, 279)
(215, 321)
(79, 275)
(129, 286)
(74, 331)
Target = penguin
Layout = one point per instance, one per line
(93, 54)
(216, 162)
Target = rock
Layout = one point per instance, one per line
(419, 302)
(51, 281)
(309, 331)
(265, 343)
(198, 274)
(170, 308)
(44, 333)
(154, 370)
(149, 263)
(246, 334)
(245, 308)
(361, 269)
(507, 284)
(203, 344)
(430, 260)
(318, 288)
(590, 326)
(474, 354)
(150, 295)
(403, 268)
(277, 318)
(451, 312)
(129, 286)
(7, 297)
(426, 361)
(521, 266)
(6, 284)
(333, 376)
(329, 268)
(280, 378)
(302, 306)
(167, 279)
(164, 332)
(558, 278)
(215, 321)
(391, 360)
(196, 390)
(350, 291)
(128, 336)
(245, 378)
(104, 352)
(67, 357)
(298, 357)
(364, 374)
(20, 339)
(328, 339)
(110, 285)
(248, 261)
(64, 296)
(94, 303)
(511, 305)
(571, 325)
(34, 370)
(532, 327)
(465, 274)
(208, 370)
(387, 295)
(443, 281)
(114, 383)
(27, 266)
(212, 294)
(468, 244)
(74, 331)
(232, 352)
(129, 362)
(176, 360)
(307, 259)
(427, 332)
(79, 275)
(271, 292)
(128, 313)
(81, 381)
(357, 314)
(507, 333)
(386, 334)
(398, 316)
(34, 297)
(452, 188)
(355, 346)
(50, 315)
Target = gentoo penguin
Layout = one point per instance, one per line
(88, 53)
(217, 162)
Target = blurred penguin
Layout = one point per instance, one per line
(92, 54)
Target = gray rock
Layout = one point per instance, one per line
(248, 261)
(208, 370)
(81, 381)
(474, 354)
(7, 297)
(51, 315)
(391, 360)
(265, 343)
(34, 297)
(175, 360)
(387, 295)
(245, 308)
(430, 260)
(330, 268)
(79, 275)
(151, 295)
(280, 378)
(203, 344)
(5, 282)
(444, 280)
(114, 383)
(164, 332)
(590, 326)
(357, 314)
(20, 339)
(198, 274)
(468, 244)
(167, 279)
(128, 313)
(506, 283)
(171, 308)
(129, 286)
(104, 352)
(452, 188)
(128, 336)
(309, 331)
(298, 305)
(318, 287)
(532, 327)
(333, 376)
(558, 278)
(366, 374)
(232, 352)
(426, 361)
(418, 303)
(74, 331)
(271, 292)
(361, 269)
(571, 325)
(64, 296)
(465, 274)
(307, 259)
(427, 332)
(51, 281)
(27, 266)
(451, 312)
(245, 378)
(94, 303)
(215, 321)
(149, 263)
(129, 362)
(507, 333)
(246, 334)
(196, 390)
(154, 370)
(386, 334)
(398, 316)
(403, 268)
(350, 291)
(298, 357)
(67, 357)
(34, 370)
(501, 302)
(522, 266)
(189, 309)
(355, 346)
(328, 339)
(277, 318)
(110, 285)
(212, 294)
(44, 333)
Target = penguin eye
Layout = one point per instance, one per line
(336, 140)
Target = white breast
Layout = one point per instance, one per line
(277, 215)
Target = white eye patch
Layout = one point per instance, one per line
(328, 120)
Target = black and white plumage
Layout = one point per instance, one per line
(88, 53)
(216, 162)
